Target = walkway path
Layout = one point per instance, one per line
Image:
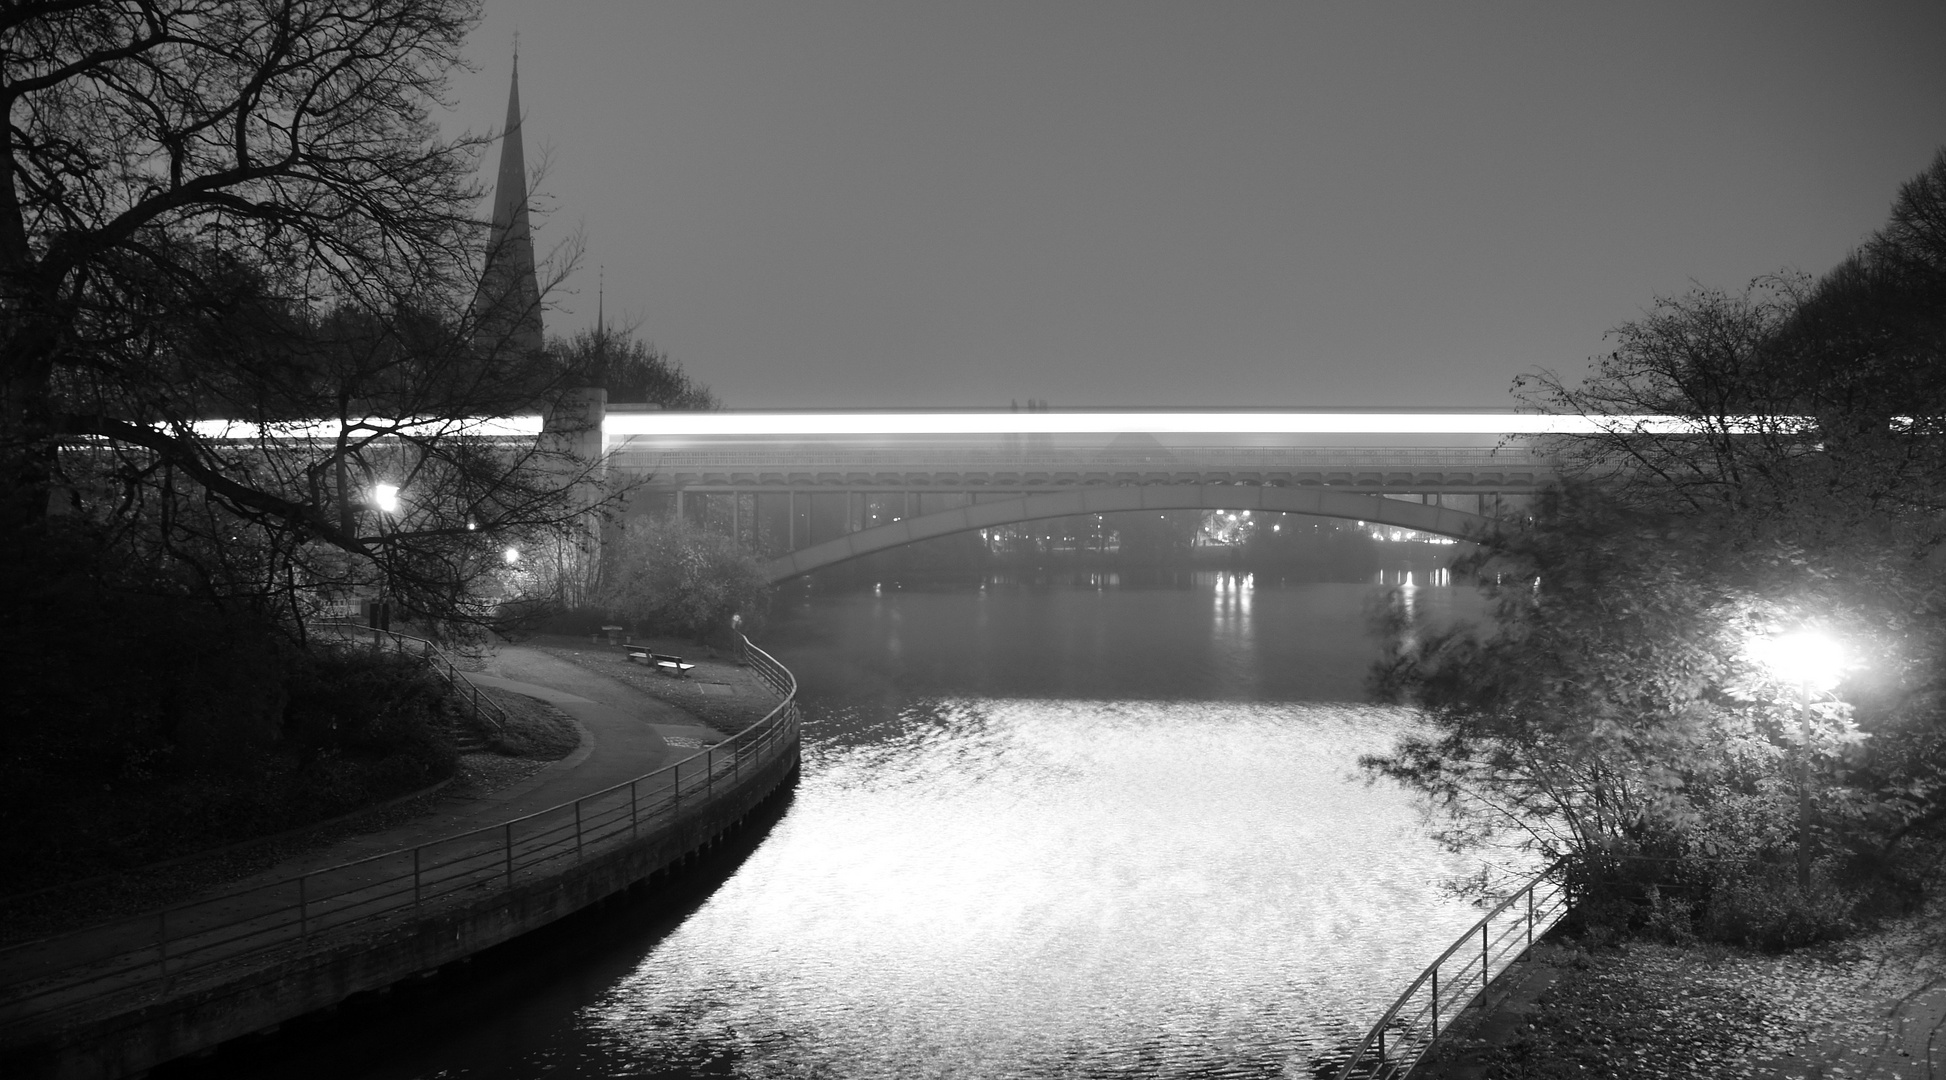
(1870, 1009)
(625, 733)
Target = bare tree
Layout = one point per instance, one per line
(241, 210)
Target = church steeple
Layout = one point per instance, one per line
(507, 306)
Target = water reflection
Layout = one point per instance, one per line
(1044, 829)
(1050, 888)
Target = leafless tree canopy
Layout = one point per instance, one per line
(242, 210)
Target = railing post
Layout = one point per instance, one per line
(1435, 1001)
(415, 877)
(1483, 962)
(1530, 922)
(510, 854)
(709, 771)
(162, 940)
(303, 908)
(577, 830)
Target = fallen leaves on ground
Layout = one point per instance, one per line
(1654, 1010)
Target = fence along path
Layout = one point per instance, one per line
(1459, 977)
(184, 946)
(485, 711)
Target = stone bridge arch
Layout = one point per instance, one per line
(1069, 502)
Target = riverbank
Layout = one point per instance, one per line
(375, 910)
(1868, 1007)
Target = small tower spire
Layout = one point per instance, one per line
(507, 307)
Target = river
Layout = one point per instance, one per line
(1085, 826)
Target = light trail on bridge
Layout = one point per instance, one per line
(622, 421)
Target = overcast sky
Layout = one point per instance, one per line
(1197, 203)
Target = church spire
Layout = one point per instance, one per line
(507, 306)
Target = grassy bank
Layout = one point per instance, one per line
(536, 734)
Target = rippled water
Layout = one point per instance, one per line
(1029, 840)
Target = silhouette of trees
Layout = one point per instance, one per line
(1610, 704)
(633, 372)
(242, 211)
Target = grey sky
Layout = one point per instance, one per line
(1197, 203)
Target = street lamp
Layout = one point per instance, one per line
(386, 497)
(1811, 660)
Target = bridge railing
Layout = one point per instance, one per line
(176, 946)
(1459, 977)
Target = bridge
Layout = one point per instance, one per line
(805, 490)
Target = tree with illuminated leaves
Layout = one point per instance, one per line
(1612, 703)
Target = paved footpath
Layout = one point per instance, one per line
(625, 733)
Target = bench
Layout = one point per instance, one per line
(670, 665)
(663, 662)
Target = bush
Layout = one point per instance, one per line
(1767, 910)
(245, 738)
(668, 577)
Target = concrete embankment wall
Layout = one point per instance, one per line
(84, 1044)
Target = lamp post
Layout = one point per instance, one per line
(1809, 659)
(1804, 785)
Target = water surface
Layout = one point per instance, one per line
(1086, 827)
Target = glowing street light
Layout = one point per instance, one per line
(386, 497)
(1812, 660)
(512, 555)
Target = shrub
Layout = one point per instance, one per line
(670, 577)
(1766, 909)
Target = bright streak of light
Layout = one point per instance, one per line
(1083, 423)
(492, 427)
(625, 423)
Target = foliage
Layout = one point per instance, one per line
(1610, 706)
(632, 372)
(666, 576)
(212, 731)
(242, 212)
(1765, 909)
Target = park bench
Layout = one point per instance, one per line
(663, 662)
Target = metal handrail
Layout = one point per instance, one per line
(167, 946)
(1416, 1026)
